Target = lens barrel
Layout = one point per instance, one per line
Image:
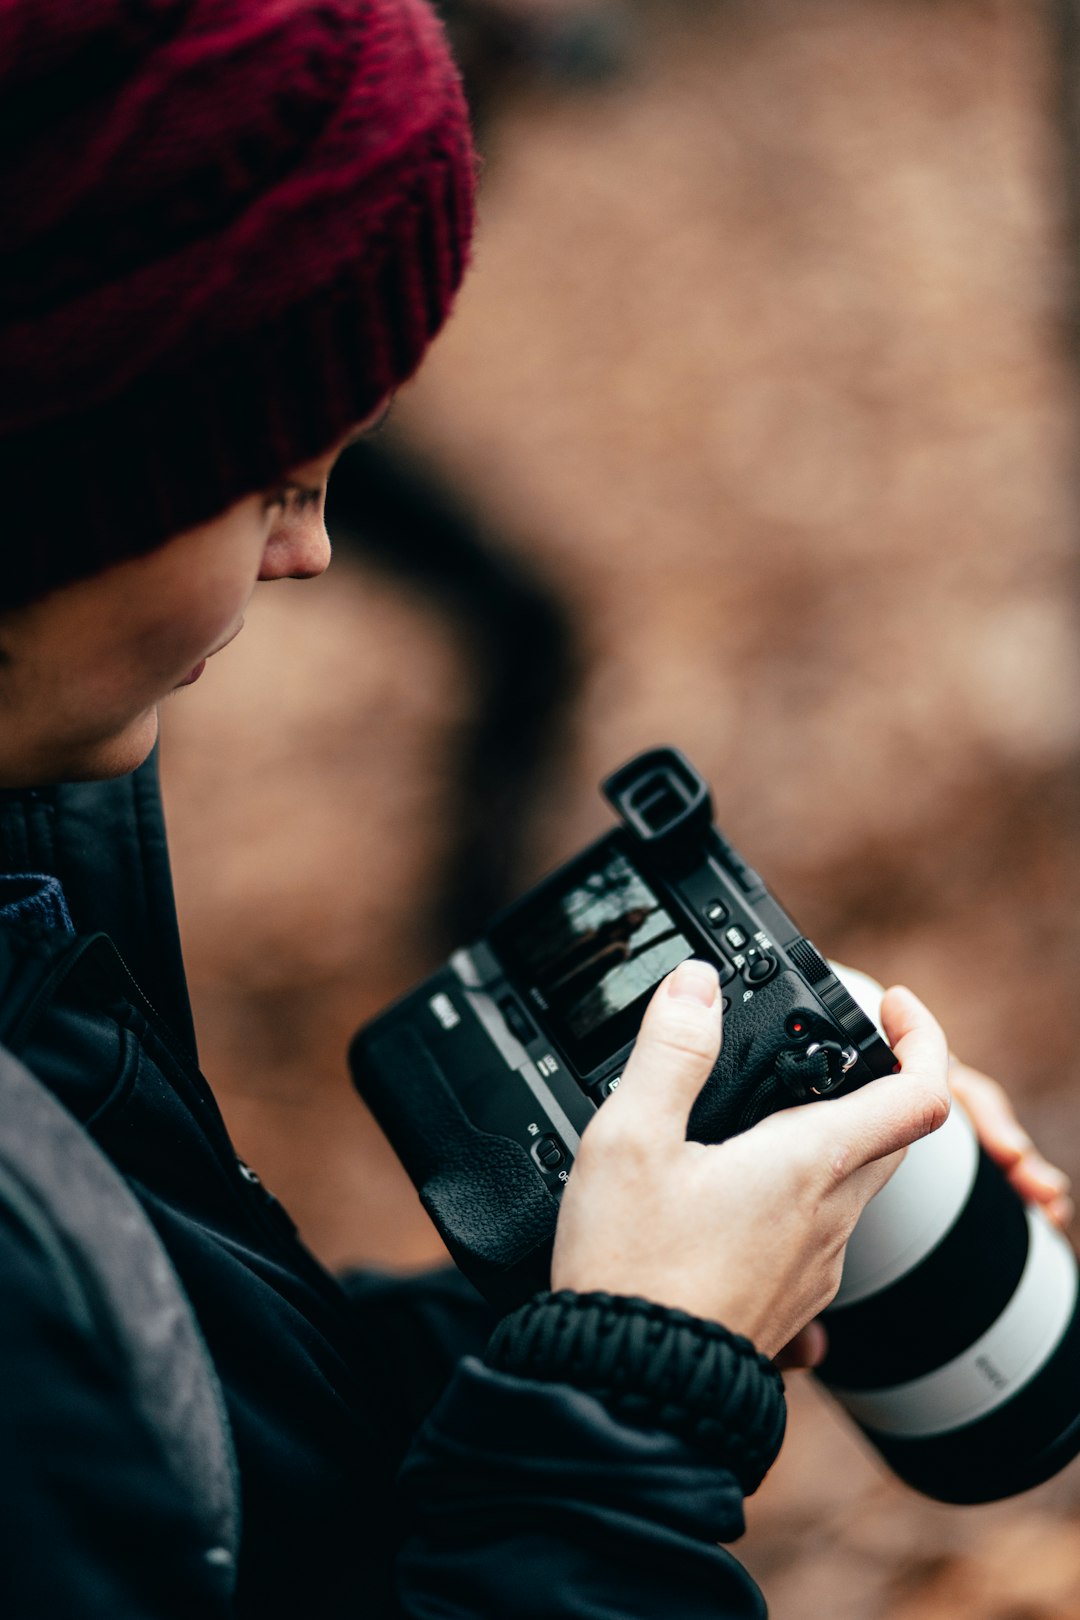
(954, 1339)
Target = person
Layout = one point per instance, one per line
(229, 229)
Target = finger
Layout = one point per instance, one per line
(916, 1037)
(991, 1113)
(1036, 1179)
(890, 1113)
(1004, 1138)
(676, 1048)
(807, 1349)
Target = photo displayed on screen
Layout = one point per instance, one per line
(600, 947)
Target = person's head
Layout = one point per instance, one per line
(228, 230)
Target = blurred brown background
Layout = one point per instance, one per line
(766, 376)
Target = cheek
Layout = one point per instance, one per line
(165, 645)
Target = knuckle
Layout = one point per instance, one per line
(811, 1169)
(595, 1140)
(610, 1137)
(929, 1110)
(815, 1161)
(837, 1165)
(830, 1280)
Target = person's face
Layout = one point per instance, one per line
(83, 670)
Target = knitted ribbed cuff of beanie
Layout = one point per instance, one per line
(655, 1367)
(228, 231)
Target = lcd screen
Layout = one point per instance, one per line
(594, 949)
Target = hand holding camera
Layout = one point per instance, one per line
(537, 1079)
(749, 1232)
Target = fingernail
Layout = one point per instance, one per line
(1048, 1173)
(1061, 1212)
(694, 981)
(817, 1344)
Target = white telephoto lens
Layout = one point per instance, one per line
(954, 1338)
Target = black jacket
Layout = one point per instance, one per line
(518, 1496)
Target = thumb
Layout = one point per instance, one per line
(678, 1044)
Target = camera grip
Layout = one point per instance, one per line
(481, 1190)
(743, 1087)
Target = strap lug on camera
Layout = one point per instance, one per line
(815, 1070)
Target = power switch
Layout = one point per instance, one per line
(516, 1021)
(548, 1152)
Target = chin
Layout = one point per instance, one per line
(114, 756)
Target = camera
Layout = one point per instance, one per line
(955, 1335)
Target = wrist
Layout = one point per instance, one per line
(653, 1366)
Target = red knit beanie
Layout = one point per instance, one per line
(228, 228)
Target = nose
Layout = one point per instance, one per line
(298, 549)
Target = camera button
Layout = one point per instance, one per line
(759, 967)
(735, 938)
(548, 1152)
(716, 913)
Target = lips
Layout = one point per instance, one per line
(194, 675)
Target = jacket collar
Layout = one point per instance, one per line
(105, 842)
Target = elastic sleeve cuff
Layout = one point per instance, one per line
(654, 1367)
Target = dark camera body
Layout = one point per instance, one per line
(487, 1073)
(954, 1340)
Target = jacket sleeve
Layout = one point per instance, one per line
(531, 1499)
(588, 1469)
(91, 1523)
